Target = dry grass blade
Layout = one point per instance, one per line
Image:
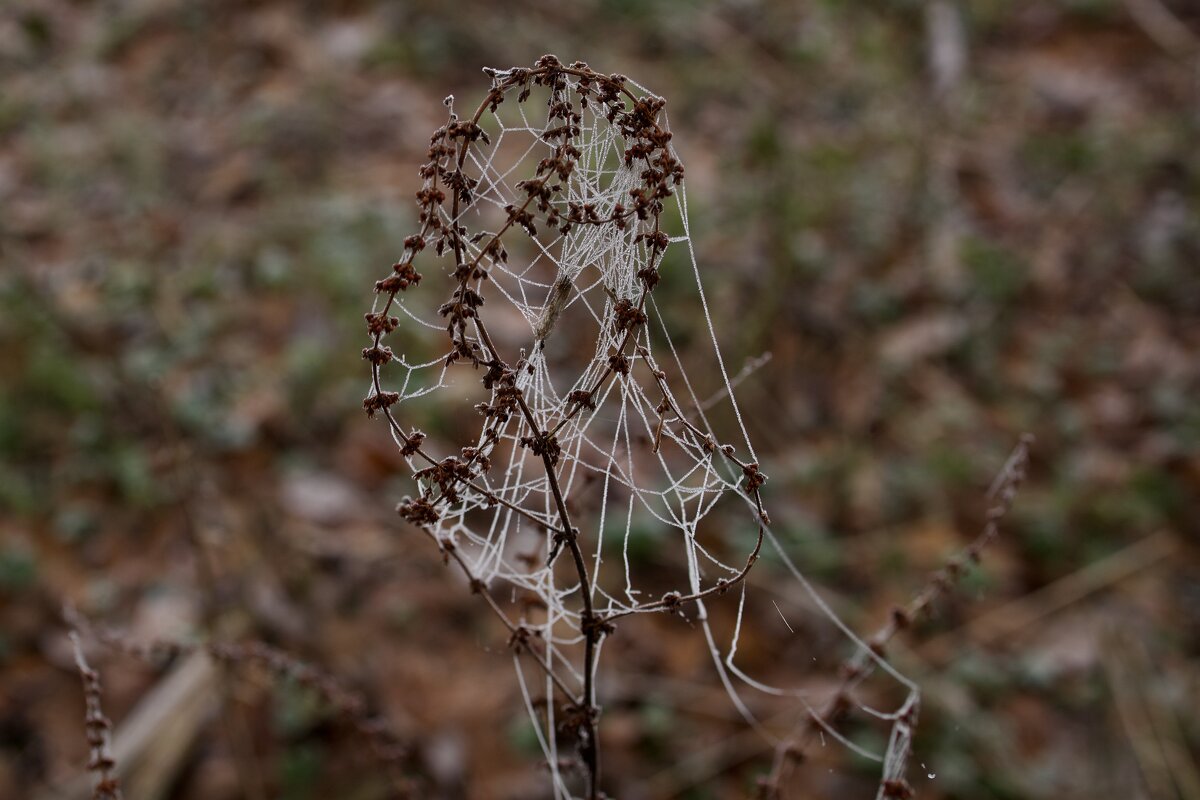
(1022, 614)
(1150, 723)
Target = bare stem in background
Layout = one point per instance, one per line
(791, 750)
(99, 730)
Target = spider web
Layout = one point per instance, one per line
(647, 456)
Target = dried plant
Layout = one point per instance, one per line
(548, 230)
(586, 225)
(99, 730)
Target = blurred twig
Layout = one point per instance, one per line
(946, 40)
(751, 366)
(706, 763)
(1163, 27)
(1152, 728)
(1021, 614)
(946, 56)
(99, 727)
(151, 744)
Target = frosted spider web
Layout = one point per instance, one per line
(648, 454)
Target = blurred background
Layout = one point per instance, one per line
(945, 223)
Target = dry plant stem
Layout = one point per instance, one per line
(590, 751)
(592, 625)
(749, 368)
(791, 750)
(99, 729)
(1159, 744)
(1161, 25)
(451, 145)
(395, 426)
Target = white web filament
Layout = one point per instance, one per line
(585, 404)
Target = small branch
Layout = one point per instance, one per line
(592, 630)
(517, 632)
(1163, 27)
(99, 730)
(751, 366)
